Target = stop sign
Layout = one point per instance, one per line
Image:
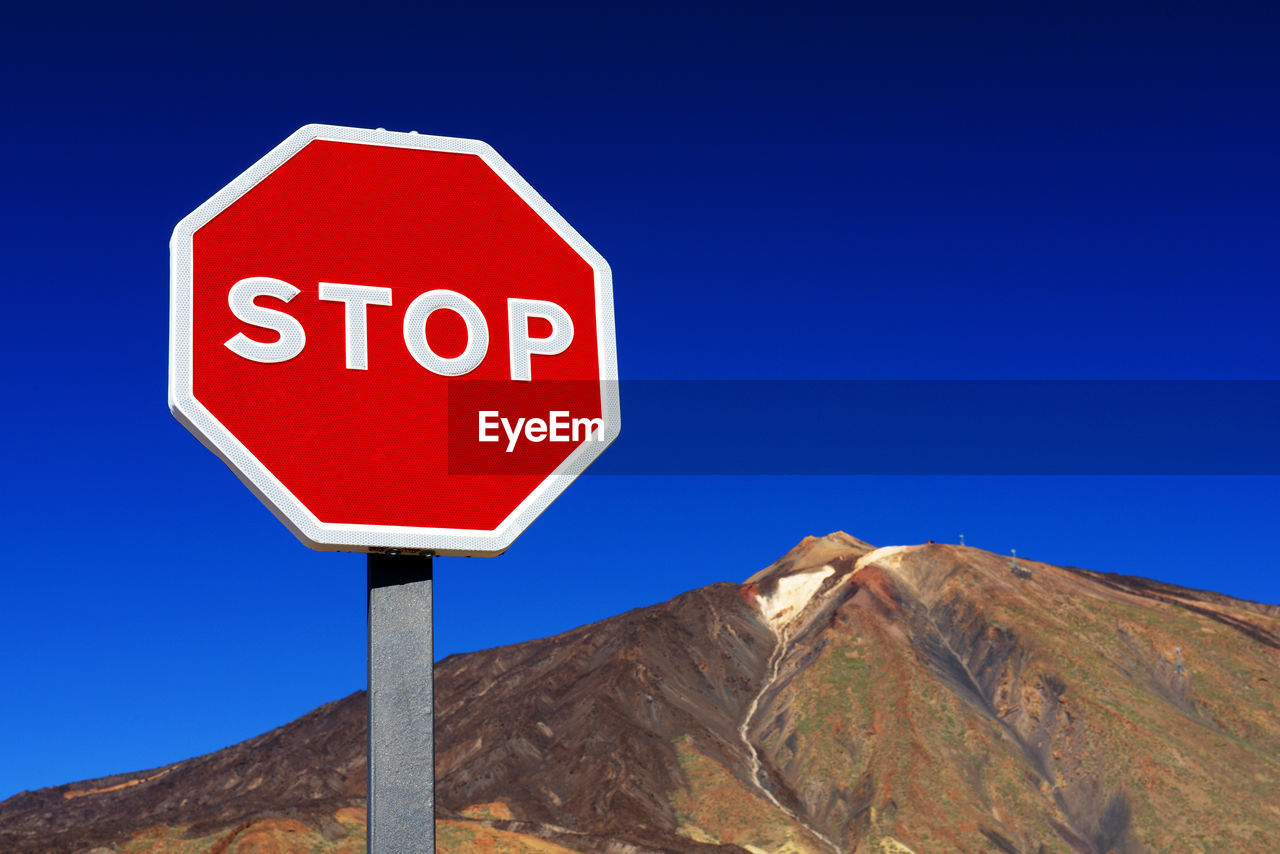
(393, 340)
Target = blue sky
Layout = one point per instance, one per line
(907, 193)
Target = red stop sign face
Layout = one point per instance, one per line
(393, 340)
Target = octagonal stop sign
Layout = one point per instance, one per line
(393, 340)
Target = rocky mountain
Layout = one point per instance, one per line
(926, 698)
(304, 782)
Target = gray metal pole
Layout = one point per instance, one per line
(401, 706)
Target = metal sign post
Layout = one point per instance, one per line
(401, 706)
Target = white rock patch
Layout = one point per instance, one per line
(779, 610)
(879, 555)
(792, 594)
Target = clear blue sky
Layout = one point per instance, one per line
(925, 192)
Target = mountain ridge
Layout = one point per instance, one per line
(844, 698)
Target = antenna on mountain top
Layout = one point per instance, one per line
(962, 540)
(1015, 569)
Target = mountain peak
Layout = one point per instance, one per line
(813, 552)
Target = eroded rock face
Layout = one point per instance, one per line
(584, 725)
(845, 698)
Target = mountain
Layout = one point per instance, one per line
(926, 698)
(304, 781)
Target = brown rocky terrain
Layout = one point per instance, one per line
(927, 698)
(307, 774)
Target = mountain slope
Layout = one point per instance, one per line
(912, 698)
(943, 701)
(311, 771)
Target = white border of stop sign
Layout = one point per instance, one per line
(287, 507)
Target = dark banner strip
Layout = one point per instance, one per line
(937, 427)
